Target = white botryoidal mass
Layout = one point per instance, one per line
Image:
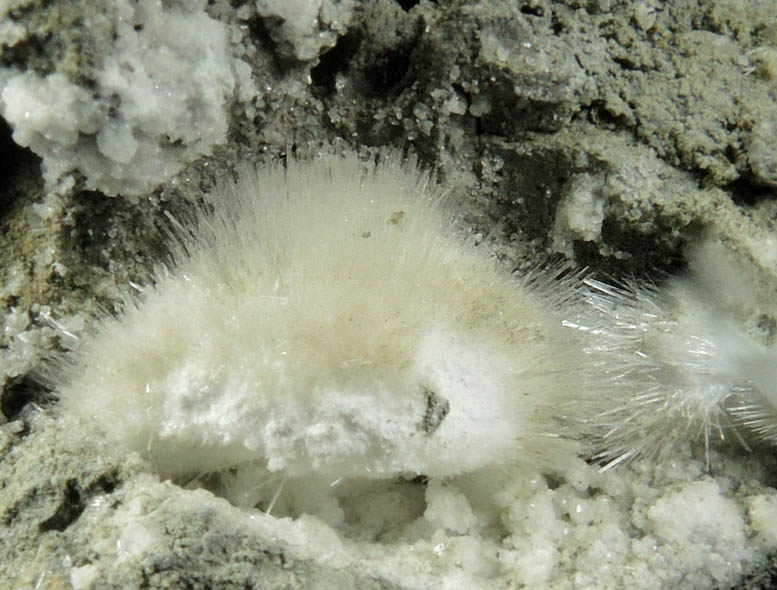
(158, 100)
(325, 321)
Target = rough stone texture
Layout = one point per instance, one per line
(613, 132)
(88, 504)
